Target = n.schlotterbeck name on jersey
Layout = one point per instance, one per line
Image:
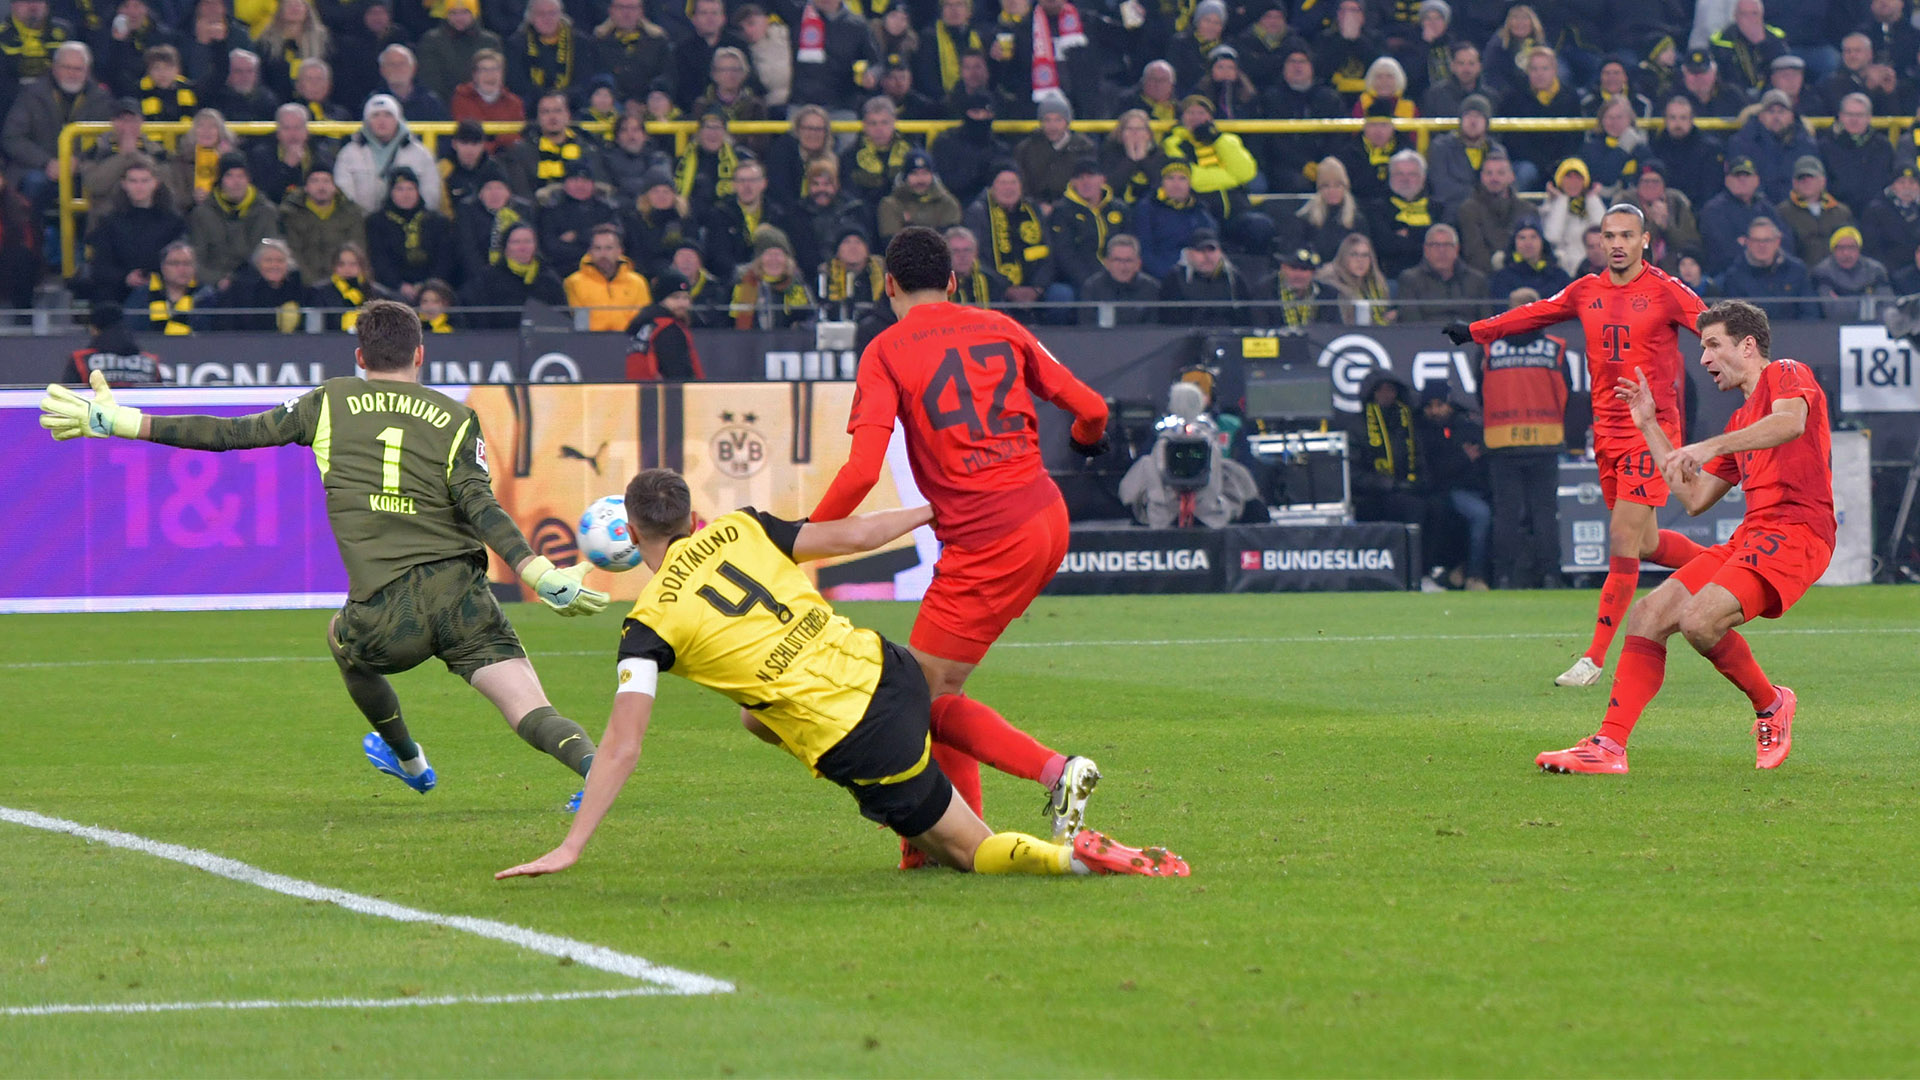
(1151, 561)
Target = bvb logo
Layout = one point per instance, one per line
(738, 450)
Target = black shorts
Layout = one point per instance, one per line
(443, 609)
(886, 761)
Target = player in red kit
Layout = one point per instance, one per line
(964, 381)
(1776, 447)
(1631, 314)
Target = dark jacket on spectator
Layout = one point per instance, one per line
(1787, 277)
(129, 239)
(829, 82)
(1044, 168)
(1163, 229)
(1696, 164)
(1487, 223)
(1892, 231)
(1462, 296)
(499, 286)
(1773, 155)
(408, 247)
(249, 290)
(31, 133)
(1544, 277)
(1287, 158)
(1078, 234)
(558, 214)
(1858, 170)
(480, 231)
(1226, 290)
(727, 239)
(1546, 148)
(963, 158)
(1127, 300)
(814, 228)
(1724, 220)
(1452, 171)
(1133, 181)
(1400, 229)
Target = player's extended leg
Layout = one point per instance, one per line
(1708, 623)
(964, 842)
(390, 748)
(1643, 667)
(514, 688)
(1632, 530)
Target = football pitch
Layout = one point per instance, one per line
(1382, 882)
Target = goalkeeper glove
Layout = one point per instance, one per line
(1459, 331)
(561, 589)
(69, 416)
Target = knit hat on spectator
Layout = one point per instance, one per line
(1222, 52)
(1445, 9)
(403, 172)
(1653, 166)
(1381, 108)
(573, 167)
(105, 315)
(1180, 167)
(767, 237)
(841, 234)
(1053, 104)
(1844, 234)
(1775, 97)
(976, 102)
(1201, 100)
(1698, 62)
(670, 282)
(469, 131)
(654, 178)
(918, 159)
(1808, 165)
(1085, 167)
(1741, 165)
(1210, 7)
(229, 161)
(1909, 171)
(1789, 62)
(1572, 165)
(471, 7)
(1476, 103)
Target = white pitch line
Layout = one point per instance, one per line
(671, 980)
(133, 1007)
(1090, 643)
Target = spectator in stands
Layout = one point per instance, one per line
(1077, 63)
(1295, 95)
(825, 215)
(853, 279)
(919, 198)
(1166, 222)
(662, 339)
(1386, 90)
(1505, 54)
(832, 50)
(1401, 219)
(163, 93)
(976, 80)
(1809, 213)
(728, 93)
(973, 284)
(467, 166)
(1342, 57)
(518, 277)
(1849, 280)
(264, 294)
(31, 134)
(1694, 156)
(1078, 228)
(541, 157)
(1789, 76)
(357, 46)
(227, 227)
(1265, 44)
(170, 294)
(1769, 275)
(399, 72)
(1595, 261)
(769, 292)
(1014, 240)
(1187, 52)
(346, 287)
(447, 50)
(1205, 274)
(123, 250)
(632, 49)
(313, 91)
(1859, 160)
(1612, 151)
(1773, 138)
(123, 48)
(1366, 158)
(936, 66)
(807, 142)
(280, 165)
(1441, 288)
(963, 156)
(1386, 465)
(728, 231)
(567, 213)
(317, 222)
(1571, 207)
(1455, 157)
(869, 167)
(1541, 97)
(1891, 223)
(693, 53)
(606, 284)
(384, 143)
(484, 97)
(437, 299)
(1709, 93)
(1300, 298)
(1906, 281)
(1330, 214)
(1671, 225)
(294, 39)
(1614, 84)
(192, 172)
(1895, 40)
(1523, 385)
(1852, 77)
(1428, 60)
(243, 98)
(1357, 279)
(1453, 470)
(1488, 217)
(1047, 157)
(896, 82)
(102, 165)
(1224, 84)
(1747, 48)
(1465, 78)
(1119, 293)
(408, 244)
(1529, 264)
(630, 158)
(548, 52)
(1130, 157)
(482, 223)
(27, 40)
(709, 295)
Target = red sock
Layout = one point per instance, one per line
(1674, 550)
(1623, 576)
(1643, 666)
(1734, 659)
(964, 771)
(974, 728)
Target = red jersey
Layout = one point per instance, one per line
(1789, 484)
(1629, 328)
(963, 381)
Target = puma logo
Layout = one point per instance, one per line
(593, 459)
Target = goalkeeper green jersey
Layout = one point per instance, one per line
(405, 469)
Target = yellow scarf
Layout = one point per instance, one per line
(555, 155)
(562, 45)
(1414, 212)
(232, 209)
(1102, 215)
(524, 271)
(867, 158)
(153, 100)
(354, 293)
(1295, 310)
(950, 55)
(439, 324)
(839, 281)
(206, 162)
(506, 219)
(972, 288)
(689, 170)
(1008, 259)
(169, 315)
(411, 225)
(323, 213)
(1545, 97)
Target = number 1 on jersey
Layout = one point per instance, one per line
(390, 438)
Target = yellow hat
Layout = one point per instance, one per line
(1844, 232)
(1572, 165)
(471, 7)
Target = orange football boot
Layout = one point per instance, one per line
(1773, 733)
(1594, 754)
(1101, 855)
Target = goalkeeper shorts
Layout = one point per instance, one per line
(439, 609)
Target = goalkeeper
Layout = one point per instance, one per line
(410, 503)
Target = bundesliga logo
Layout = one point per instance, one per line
(1318, 559)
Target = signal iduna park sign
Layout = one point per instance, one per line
(1239, 558)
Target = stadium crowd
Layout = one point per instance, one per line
(772, 231)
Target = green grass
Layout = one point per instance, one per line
(1382, 883)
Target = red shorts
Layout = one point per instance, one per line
(977, 591)
(1627, 471)
(1768, 567)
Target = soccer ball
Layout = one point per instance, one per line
(605, 538)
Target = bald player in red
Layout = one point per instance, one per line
(1777, 447)
(1631, 314)
(964, 381)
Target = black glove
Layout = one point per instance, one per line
(1092, 450)
(1458, 331)
(1206, 133)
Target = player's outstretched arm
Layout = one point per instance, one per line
(850, 536)
(1047, 377)
(1560, 307)
(471, 487)
(67, 415)
(857, 477)
(619, 753)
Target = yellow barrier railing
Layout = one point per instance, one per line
(429, 133)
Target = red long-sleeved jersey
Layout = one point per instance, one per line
(963, 380)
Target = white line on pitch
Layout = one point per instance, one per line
(333, 1003)
(671, 980)
(1090, 643)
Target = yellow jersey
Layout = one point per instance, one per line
(728, 609)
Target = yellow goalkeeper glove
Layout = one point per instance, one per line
(561, 589)
(69, 416)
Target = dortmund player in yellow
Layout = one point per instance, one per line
(411, 504)
(728, 608)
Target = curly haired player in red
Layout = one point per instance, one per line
(963, 381)
(1631, 314)
(1776, 447)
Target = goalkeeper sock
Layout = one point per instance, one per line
(1643, 667)
(1623, 576)
(550, 733)
(977, 730)
(374, 696)
(1674, 550)
(1734, 659)
(963, 772)
(1018, 853)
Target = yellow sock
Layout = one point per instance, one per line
(1018, 853)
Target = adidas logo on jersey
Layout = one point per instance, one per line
(1596, 305)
